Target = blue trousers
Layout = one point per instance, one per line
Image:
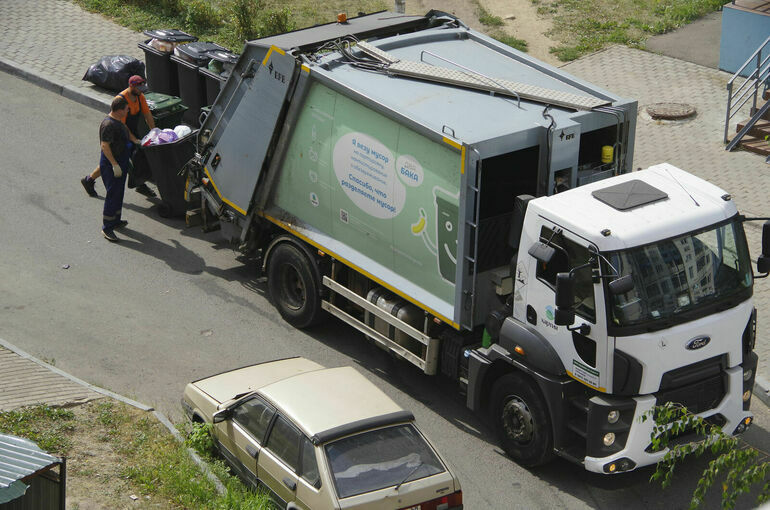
(113, 201)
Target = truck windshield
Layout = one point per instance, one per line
(675, 277)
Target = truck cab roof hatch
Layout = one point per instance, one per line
(629, 195)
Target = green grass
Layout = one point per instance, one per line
(486, 17)
(46, 426)
(227, 22)
(585, 26)
(513, 42)
(149, 458)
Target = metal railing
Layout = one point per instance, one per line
(748, 90)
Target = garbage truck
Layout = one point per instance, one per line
(474, 212)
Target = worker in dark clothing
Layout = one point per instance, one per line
(117, 144)
(134, 96)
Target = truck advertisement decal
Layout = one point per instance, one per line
(445, 246)
(377, 186)
(585, 373)
(366, 172)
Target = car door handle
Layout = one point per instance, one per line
(252, 451)
(291, 484)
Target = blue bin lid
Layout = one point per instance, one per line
(170, 35)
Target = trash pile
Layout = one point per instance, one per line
(158, 136)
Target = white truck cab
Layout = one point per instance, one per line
(639, 289)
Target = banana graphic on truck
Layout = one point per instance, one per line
(445, 247)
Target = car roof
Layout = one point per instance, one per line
(332, 402)
(228, 385)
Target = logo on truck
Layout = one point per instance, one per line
(697, 343)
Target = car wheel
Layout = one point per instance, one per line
(521, 419)
(294, 286)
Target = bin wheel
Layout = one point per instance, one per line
(164, 210)
(294, 286)
(521, 419)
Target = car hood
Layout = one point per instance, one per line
(229, 385)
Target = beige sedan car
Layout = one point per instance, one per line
(321, 438)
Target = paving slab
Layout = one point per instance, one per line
(23, 382)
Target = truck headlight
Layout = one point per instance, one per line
(747, 374)
(609, 439)
(613, 416)
(747, 395)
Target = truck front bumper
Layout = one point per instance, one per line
(637, 451)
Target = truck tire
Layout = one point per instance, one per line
(521, 420)
(293, 286)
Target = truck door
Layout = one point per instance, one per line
(584, 355)
(242, 133)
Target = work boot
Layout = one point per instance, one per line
(145, 190)
(89, 184)
(121, 224)
(110, 235)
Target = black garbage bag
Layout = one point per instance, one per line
(113, 72)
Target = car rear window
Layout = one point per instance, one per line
(380, 458)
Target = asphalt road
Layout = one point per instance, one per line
(169, 304)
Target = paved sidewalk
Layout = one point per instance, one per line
(24, 382)
(52, 43)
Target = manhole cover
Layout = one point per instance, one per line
(670, 111)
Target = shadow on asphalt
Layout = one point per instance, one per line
(629, 491)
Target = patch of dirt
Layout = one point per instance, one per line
(94, 467)
(520, 17)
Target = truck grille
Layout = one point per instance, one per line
(696, 397)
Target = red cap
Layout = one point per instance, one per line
(135, 80)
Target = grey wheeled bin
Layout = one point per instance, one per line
(168, 164)
(189, 58)
(161, 74)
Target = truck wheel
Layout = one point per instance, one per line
(521, 419)
(293, 286)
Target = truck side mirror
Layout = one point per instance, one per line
(565, 298)
(763, 262)
(542, 252)
(622, 285)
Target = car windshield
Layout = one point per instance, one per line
(681, 274)
(380, 458)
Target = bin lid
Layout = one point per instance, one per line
(160, 103)
(197, 52)
(170, 35)
(225, 56)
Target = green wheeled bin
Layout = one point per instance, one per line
(167, 111)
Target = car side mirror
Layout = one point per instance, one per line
(565, 299)
(622, 285)
(222, 415)
(542, 252)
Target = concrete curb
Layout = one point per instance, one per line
(84, 97)
(762, 389)
(158, 415)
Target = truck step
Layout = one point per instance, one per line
(578, 426)
(580, 403)
(575, 453)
